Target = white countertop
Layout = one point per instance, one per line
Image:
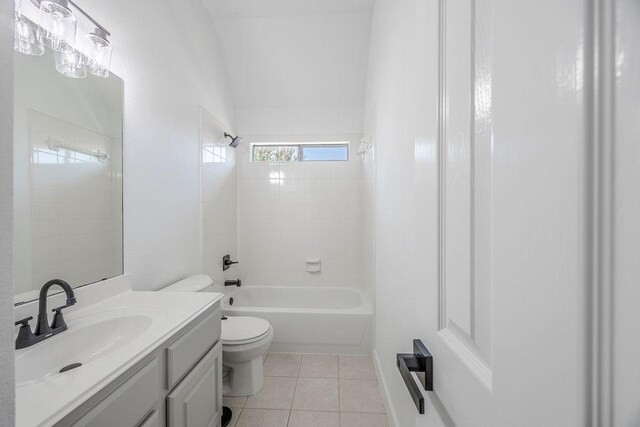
(48, 401)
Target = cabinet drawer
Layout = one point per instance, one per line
(128, 404)
(183, 354)
(197, 400)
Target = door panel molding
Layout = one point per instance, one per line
(601, 77)
(464, 159)
(469, 355)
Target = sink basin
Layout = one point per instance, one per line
(88, 338)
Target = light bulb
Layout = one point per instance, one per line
(99, 53)
(59, 24)
(71, 63)
(26, 37)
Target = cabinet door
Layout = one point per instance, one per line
(128, 405)
(152, 420)
(197, 400)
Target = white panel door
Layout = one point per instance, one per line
(509, 349)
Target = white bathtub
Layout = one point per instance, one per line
(315, 320)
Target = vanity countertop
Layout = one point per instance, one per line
(108, 337)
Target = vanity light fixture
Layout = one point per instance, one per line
(27, 37)
(100, 52)
(54, 24)
(71, 63)
(58, 24)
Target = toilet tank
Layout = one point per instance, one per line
(194, 283)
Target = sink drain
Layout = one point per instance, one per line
(70, 367)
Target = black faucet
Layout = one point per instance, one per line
(233, 282)
(43, 330)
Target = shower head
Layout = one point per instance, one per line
(235, 140)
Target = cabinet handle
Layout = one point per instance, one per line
(421, 362)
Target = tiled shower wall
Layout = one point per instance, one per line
(219, 199)
(292, 211)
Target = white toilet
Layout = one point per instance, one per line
(245, 342)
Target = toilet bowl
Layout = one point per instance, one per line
(245, 342)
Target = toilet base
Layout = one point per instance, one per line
(243, 367)
(243, 379)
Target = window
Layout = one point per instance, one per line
(300, 152)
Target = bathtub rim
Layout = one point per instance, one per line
(365, 308)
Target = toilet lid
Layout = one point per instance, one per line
(240, 329)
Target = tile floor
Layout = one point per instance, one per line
(309, 390)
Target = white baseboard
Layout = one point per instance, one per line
(386, 398)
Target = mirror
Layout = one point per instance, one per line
(67, 176)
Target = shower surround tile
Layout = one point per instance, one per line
(289, 212)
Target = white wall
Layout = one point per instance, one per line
(292, 211)
(298, 121)
(170, 61)
(7, 391)
(296, 61)
(297, 75)
(401, 182)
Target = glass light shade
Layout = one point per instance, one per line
(26, 37)
(99, 55)
(71, 63)
(58, 25)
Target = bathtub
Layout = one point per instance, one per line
(309, 319)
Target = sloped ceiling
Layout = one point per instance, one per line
(270, 8)
(294, 53)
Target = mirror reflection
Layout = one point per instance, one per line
(68, 176)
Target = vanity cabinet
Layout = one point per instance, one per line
(189, 404)
(178, 384)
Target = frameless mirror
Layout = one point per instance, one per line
(67, 175)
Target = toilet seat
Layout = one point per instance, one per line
(239, 330)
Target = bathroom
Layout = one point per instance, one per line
(337, 213)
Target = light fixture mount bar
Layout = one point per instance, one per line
(79, 9)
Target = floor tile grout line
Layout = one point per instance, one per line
(339, 400)
(294, 394)
(293, 398)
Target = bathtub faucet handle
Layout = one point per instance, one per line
(233, 282)
(227, 263)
